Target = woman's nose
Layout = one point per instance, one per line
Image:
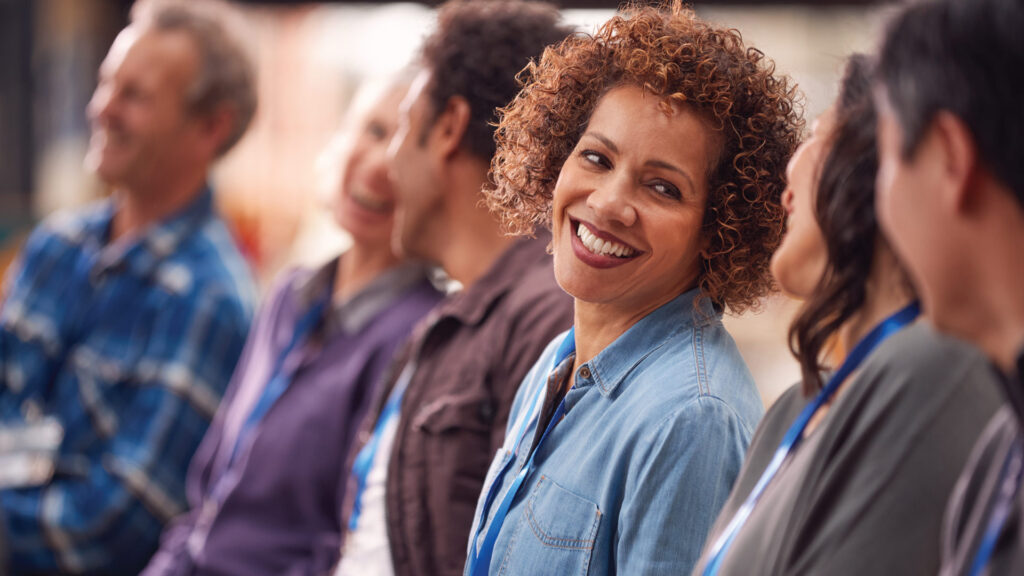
(612, 201)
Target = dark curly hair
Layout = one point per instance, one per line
(670, 53)
(476, 52)
(845, 212)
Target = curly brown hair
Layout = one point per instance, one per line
(670, 53)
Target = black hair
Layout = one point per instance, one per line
(965, 57)
(477, 51)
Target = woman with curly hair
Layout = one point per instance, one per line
(655, 151)
(850, 475)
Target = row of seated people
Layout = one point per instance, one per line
(576, 405)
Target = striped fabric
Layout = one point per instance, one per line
(130, 346)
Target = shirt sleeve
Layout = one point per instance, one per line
(104, 514)
(685, 474)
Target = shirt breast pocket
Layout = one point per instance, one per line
(555, 534)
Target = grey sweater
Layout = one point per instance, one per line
(865, 492)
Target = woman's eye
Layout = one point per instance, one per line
(666, 189)
(595, 158)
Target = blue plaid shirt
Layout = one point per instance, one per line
(129, 345)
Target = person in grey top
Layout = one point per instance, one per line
(951, 129)
(864, 490)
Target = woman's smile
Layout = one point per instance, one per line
(598, 248)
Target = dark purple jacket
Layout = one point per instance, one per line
(283, 494)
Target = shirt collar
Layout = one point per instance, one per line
(471, 305)
(143, 252)
(686, 311)
(352, 315)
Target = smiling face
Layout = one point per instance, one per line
(800, 261)
(629, 203)
(142, 132)
(365, 203)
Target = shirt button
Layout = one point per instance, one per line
(585, 372)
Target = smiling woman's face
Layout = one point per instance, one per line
(629, 203)
(365, 202)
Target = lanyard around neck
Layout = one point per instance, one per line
(794, 435)
(480, 556)
(279, 379)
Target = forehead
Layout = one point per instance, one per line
(416, 95)
(387, 101)
(641, 122)
(147, 55)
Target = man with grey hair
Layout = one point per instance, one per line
(122, 323)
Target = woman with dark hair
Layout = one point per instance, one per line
(654, 150)
(849, 474)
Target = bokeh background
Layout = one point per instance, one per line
(312, 59)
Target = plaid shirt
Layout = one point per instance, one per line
(130, 346)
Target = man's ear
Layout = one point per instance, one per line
(451, 125)
(216, 128)
(961, 172)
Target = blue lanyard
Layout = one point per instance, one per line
(794, 435)
(1009, 482)
(480, 561)
(364, 460)
(279, 380)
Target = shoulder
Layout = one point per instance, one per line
(702, 367)
(919, 369)
(64, 229)
(700, 425)
(208, 266)
(920, 349)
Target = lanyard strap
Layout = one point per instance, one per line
(279, 380)
(1009, 482)
(794, 435)
(364, 460)
(480, 557)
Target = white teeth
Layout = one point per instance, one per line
(371, 204)
(599, 246)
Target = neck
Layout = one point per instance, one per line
(993, 317)
(887, 292)
(473, 240)
(598, 325)
(137, 208)
(362, 264)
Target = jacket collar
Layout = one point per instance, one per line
(141, 253)
(354, 314)
(472, 305)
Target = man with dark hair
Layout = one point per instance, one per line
(951, 197)
(123, 322)
(426, 447)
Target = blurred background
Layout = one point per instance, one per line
(311, 59)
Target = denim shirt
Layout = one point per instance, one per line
(631, 480)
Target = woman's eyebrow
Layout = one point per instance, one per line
(604, 140)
